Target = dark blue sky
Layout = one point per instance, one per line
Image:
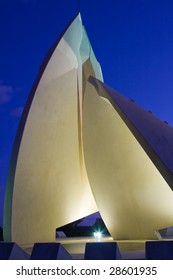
(132, 39)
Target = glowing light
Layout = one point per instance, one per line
(97, 234)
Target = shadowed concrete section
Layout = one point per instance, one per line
(49, 251)
(165, 233)
(102, 251)
(47, 184)
(12, 251)
(159, 250)
(132, 196)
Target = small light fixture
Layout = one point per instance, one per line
(97, 234)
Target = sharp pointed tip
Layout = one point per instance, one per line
(79, 15)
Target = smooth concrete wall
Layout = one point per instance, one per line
(132, 196)
(51, 187)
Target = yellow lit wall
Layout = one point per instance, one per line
(132, 196)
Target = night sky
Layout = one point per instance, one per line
(132, 40)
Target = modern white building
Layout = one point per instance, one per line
(81, 147)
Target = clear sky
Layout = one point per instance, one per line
(132, 40)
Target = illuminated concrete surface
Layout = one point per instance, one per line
(82, 147)
(132, 196)
(47, 184)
